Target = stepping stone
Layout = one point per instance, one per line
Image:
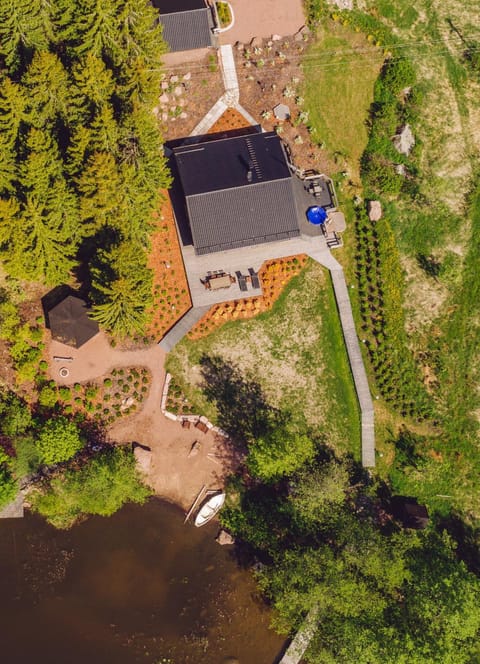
(179, 90)
(187, 76)
(164, 99)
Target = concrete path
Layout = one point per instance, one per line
(354, 355)
(229, 71)
(301, 641)
(182, 327)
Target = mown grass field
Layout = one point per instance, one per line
(340, 70)
(296, 353)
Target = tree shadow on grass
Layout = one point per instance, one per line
(243, 411)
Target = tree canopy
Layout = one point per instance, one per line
(82, 161)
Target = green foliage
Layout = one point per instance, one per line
(380, 280)
(58, 440)
(390, 110)
(317, 491)
(8, 486)
(15, 415)
(82, 155)
(27, 458)
(100, 487)
(48, 396)
(280, 451)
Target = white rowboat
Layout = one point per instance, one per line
(209, 508)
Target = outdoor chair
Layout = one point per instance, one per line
(241, 281)
(254, 278)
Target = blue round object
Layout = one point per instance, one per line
(316, 215)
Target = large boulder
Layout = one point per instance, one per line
(404, 140)
(224, 538)
(143, 458)
(374, 210)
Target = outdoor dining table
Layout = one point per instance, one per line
(222, 281)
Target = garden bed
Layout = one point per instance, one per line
(170, 288)
(120, 393)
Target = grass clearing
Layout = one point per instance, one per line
(340, 70)
(295, 351)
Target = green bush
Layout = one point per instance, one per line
(100, 487)
(27, 457)
(48, 396)
(107, 382)
(59, 440)
(8, 486)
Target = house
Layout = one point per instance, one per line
(238, 192)
(187, 24)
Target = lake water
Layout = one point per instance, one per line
(136, 587)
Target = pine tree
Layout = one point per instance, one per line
(13, 102)
(49, 90)
(24, 24)
(100, 186)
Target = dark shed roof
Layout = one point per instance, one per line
(187, 24)
(172, 6)
(70, 324)
(238, 192)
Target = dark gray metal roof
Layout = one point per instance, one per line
(243, 216)
(171, 6)
(238, 192)
(231, 162)
(187, 30)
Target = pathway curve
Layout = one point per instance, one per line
(175, 473)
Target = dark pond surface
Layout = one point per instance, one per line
(137, 587)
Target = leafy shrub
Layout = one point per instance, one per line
(48, 396)
(100, 487)
(59, 440)
(8, 486)
(107, 382)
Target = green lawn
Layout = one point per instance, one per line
(295, 351)
(340, 70)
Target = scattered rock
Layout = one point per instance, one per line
(239, 46)
(174, 79)
(195, 449)
(143, 457)
(164, 117)
(126, 403)
(256, 42)
(182, 102)
(400, 169)
(165, 85)
(164, 99)
(281, 112)
(342, 4)
(187, 76)
(179, 90)
(183, 115)
(305, 30)
(298, 37)
(276, 38)
(224, 538)
(405, 140)
(374, 210)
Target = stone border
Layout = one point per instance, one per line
(186, 418)
(219, 31)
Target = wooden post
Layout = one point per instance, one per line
(200, 493)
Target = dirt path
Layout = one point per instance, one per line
(175, 474)
(263, 18)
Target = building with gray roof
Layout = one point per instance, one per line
(238, 192)
(187, 24)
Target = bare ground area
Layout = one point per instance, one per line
(263, 18)
(175, 474)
